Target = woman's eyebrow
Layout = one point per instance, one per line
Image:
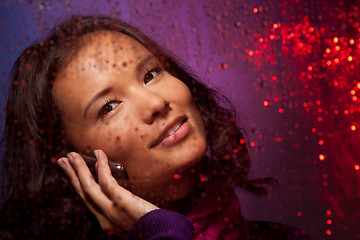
(96, 97)
(144, 61)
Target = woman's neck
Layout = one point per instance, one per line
(186, 204)
(199, 177)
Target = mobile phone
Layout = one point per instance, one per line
(117, 170)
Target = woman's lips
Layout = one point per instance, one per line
(173, 132)
(177, 135)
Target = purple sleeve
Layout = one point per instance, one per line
(162, 224)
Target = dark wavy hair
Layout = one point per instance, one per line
(34, 138)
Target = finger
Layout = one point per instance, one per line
(107, 182)
(111, 187)
(98, 213)
(117, 194)
(70, 172)
(131, 206)
(91, 189)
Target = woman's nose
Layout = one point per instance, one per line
(151, 105)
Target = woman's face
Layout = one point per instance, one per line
(114, 95)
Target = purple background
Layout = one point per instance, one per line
(213, 38)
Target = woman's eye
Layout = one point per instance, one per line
(150, 75)
(108, 107)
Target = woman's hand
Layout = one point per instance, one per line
(115, 208)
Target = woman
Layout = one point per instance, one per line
(98, 90)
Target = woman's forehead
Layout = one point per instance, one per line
(116, 42)
(106, 49)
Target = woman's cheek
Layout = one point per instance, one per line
(122, 145)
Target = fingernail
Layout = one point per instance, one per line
(61, 164)
(96, 169)
(96, 153)
(70, 157)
